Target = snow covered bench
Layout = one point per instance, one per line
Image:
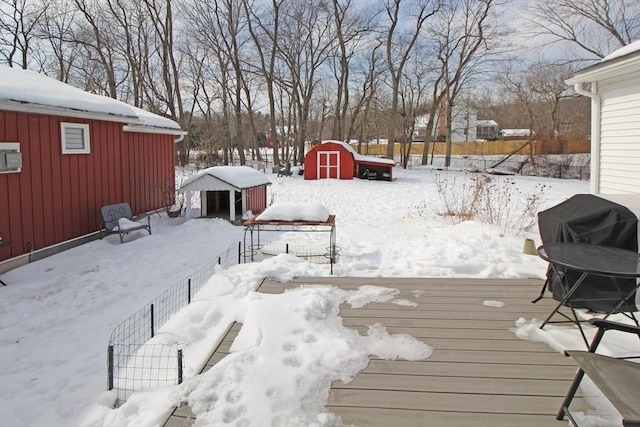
(118, 219)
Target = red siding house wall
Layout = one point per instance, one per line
(56, 196)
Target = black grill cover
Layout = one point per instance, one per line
(585, 218)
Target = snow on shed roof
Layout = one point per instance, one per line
(26, 90)
(239, 177)
(362, 158)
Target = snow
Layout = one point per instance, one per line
(127, 224)
(240, 177)
(313, 212)
(57, 313)
(625, 50)
(360, 157)
(151, 120)
(20, 87)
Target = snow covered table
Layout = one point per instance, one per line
(291, 217)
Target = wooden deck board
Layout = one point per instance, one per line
(449, 401)
(385, 417)
(479, 374)
(446, 384)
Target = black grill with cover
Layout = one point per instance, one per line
(585, 218)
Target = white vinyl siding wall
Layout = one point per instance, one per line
(620, 135)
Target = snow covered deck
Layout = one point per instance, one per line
(479, 374)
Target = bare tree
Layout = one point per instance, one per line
(517, 86)
(596, 27)
(371, 69)
(133, 19)
(399, 43)
(19, 20)
(56, 30)
(264, 26)
(547, 82)
(351, 26)
(463, 37)
(537, 91)
(417, 80)
(307, 40)
(97, 34)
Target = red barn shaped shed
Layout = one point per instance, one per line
(65, 153)
(338, 160)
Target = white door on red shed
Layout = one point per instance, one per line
(328, 164)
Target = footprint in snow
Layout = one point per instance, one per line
(289, 346)
(233, 396)
(310, 339)
(292, 362)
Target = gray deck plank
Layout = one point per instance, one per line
(479, 374)
(453, 402)
(385, 417)
(470, 370)
(445, 384)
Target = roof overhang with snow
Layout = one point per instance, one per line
(30, 92)
(622, 61)
(225, 178)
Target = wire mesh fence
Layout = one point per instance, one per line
(147, 366)
(133, 363)
(298, 244)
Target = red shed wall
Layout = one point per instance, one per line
(256, 199)
(347, 164)
(57, 197)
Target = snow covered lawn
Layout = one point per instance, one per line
(56, 315)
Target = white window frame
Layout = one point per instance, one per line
(87, 140)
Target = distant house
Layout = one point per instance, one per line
(487, 129)
(615, 124)
(64, 153)
(514, 133)
(227, 191)
(464, 123)
(338, 160)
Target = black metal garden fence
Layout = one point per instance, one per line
(134, 364)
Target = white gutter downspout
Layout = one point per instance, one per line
(595, 132)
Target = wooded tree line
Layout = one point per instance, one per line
(240, 74)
